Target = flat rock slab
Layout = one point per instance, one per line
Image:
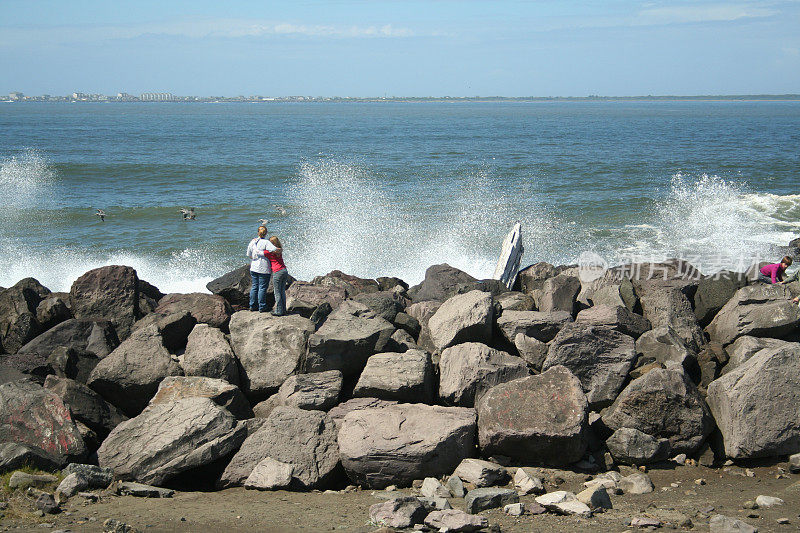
(542, 326)
(140, 490)
(96, 476)
(405, 377)
(455, 520)
(221, 392)
(726, 524)
(23, 480)
(478, 500)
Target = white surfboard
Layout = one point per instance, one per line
(510, 256)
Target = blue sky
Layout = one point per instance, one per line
(400, 48)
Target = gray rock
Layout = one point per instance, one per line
(765, 502)
(18, 323)
(478, 500)
(16, 455)
(403, 341)
(726, 524)
(422, 312)
(432, 488)
(356, 404)
(319, 390)
(514, 509)
(637, 483)
(111, 525)
(663, 404)
(398, 513)
(96, 477)
(599, 357)
(595, 498)
(441, 282)
(383, 303)
(481, 473)
(174, 328)
(404, 376)
(270, 349)
(33, 416)
(222, 393)
(631, 446)
(758, 310)
(52, 311)
(129, 376)
(542, 418)
(531, 350)
(345, 342)
(436, 504)
(463, 318)
(169, 439)
(304, 439)
(352, 285)
(8, 374)
(209, 354)
(515, 301)
(559, 293)
(22, 480)
(794, 463)
(93, 336)
(542, 326)
(664, 303)
(746, 347)
(714, 292)
(210, 309)
(616, 317)
(86, 405)
(468, 370)
(70, 486)
(619, 293)
(140, 490)
(664, 346)
(565, 503)
(47, 504)
(408, 324)
(526, 483)
(270, 474)
(455, 486)
(755, 404)
(109, 292)
(455, 520)
(396, 444)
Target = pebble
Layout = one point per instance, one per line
(768, 501)
(749, 504)
(749, 473)
(783, 521)
(680, 458)
(390, 488)
(700, 481)
(645, 521)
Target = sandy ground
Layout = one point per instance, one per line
(676, 496)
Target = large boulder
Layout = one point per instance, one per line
(440, 283)
(532, 350)
(600, 357)
(468, 370)
(758, 310)
(95, 337)
(714, 292)
(33, 416)
(234, 286)
(746, 347)
(405, 377)
(755, 405)
(666, 303)
(559, 293)
(319, 390)
(664, 346)
(463, 318)
(86, 405)
(345, 342)
(663, 403)
(384, 304)
(515, 301)
(539, 419)
(14, 455)
(616, 317)
(129, 376)
(18, 322)
(422, 313)
(310, 296)
(269, 349)
(532, 278)
(304, 439)
(210, 309)
(222, 393)
(208, 353)
(352, 285)
(109, 292)
(620, 292)
(53, 310)
(537, 324)
(169, 439)
(631, 446)
(173, 327)
(396, 444)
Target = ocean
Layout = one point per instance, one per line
(390, 188)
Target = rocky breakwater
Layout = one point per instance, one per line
(374, 383)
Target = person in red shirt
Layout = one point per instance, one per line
(279, 275)
(773, 273)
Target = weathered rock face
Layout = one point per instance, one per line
(14, 455)
(234, 287)
(210, 309)
(537, 324)
(109, 292)
(631, 446)
(86, 405)
(129, 376)
(31, 415)
(714, 292)
(531, 350)
(269, 349)
(208, 353)
(615, 317)
(663, 404)
(404, 376)
(18, 323)
(222, 393)
(169, 439)
(422, 312)
(600, 358)
(352, 285)
(270, 474)
(32, 366)
(755, 405)
(96, 337)
(384, 304)
(757, 310)
(559, 293)
(52, 310)
(396, 444)
(304, 439)
(515, 301)
(174, 328)
(312, 296)
(481, 473)
(664, 346)
(441, 282)
(532, 278)
(542, 418)
(619, 292)
(463, 318)
(319, 390)
(345, 342)
(746, 347)
(468, 370)
(665, 303)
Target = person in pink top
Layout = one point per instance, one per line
(279, 275)
(773, 273)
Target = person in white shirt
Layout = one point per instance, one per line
(259, 270)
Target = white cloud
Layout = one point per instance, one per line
(700, 13)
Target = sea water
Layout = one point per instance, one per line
(391, 188)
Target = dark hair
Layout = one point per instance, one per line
(787, 259)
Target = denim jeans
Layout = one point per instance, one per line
(258, 290)
(279, 284)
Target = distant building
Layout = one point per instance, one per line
(79, 96)
(157, 97)
(16, 96)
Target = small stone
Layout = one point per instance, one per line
(783, 521)
(527, 484)
(725, 524)
(534, 508)
(483, 498)
(700, 481)
(794, 463)
(455, 486)
(645, 521)
(481, 473)
(115, 526)
(636, 484)
(130, 488)
(435, 504)
(674, 485)
(643, 468)
(690, 492)
(680, 458)
(22, 480)
(514, 509)
(390, 488)
(455, 520)
(432, 488)
(595, 498)
(749, 473)
(765, 502)
(753, 515)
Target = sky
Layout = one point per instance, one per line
(369, 48)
